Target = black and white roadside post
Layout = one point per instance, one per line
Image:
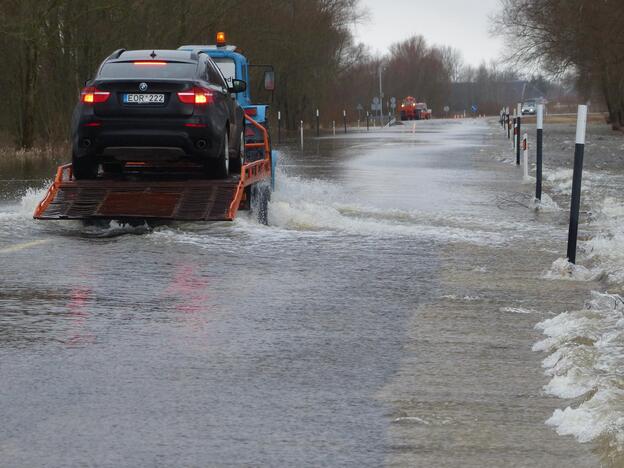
(508, 123)
(515, 130)
(575, 205)
(279, 127)
(301, 132)
(519, 126)
(334, 126)
(367, 122)
(318, 123)
(538, 159)
(344, 119)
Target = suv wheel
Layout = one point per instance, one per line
(219, 168)
(237, 163)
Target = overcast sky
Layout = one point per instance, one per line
(462, 24)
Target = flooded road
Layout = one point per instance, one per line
(386, 316)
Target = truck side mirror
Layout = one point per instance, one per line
(238, 86)
(269, 80)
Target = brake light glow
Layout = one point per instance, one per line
(93, 124)
(92, 95)
(149, 63)
(198, 96)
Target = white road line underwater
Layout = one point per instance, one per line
(23, 246)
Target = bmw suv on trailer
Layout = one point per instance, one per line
(158, 107)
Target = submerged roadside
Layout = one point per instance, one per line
(469, 391)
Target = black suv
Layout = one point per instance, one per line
(158, 107)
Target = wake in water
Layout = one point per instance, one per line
(316, 205)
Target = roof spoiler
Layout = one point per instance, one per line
(116, 54)
(195, 54)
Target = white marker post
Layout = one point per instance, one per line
(538, 159)
(334, 126)
(301, 131)
(318, 123)
(279, 127)
(575, 205)
(525, 156)
(344, 118)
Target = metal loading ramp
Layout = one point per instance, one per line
(188, 200)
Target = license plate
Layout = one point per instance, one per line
(144, 98)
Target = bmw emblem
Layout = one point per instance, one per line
(143, 86)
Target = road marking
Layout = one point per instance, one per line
(25, 245)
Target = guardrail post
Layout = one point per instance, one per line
(538, 159)
(577, 176)
(519, 123)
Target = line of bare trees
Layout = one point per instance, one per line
(50, 47)
(583, 37)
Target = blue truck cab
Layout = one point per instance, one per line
(235, 65)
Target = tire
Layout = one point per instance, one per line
(219, 168)
(237, 163)
(84, 168)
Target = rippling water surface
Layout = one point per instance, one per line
(384, 317)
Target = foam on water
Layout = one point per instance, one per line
(562, 269)
(546, 204)
(587, 363)
(606, 247)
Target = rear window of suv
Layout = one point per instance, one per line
(134, 70)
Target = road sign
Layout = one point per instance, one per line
(474, 108)
(376, 100)
(447, 108)
(360, 107)
(393, 100)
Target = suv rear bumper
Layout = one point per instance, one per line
(120, 141)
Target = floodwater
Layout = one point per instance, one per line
(386, 316)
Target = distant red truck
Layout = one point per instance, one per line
(412, 110)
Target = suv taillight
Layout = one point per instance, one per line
(196, 95)
(92, 95)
